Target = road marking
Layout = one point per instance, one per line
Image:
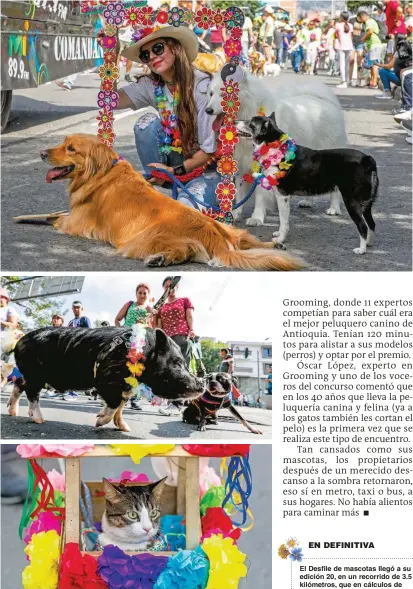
(121, 115)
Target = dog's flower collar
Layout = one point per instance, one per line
(279, 155)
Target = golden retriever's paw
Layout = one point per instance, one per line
(278, 245)
(155, 261)
(60, 223)
(216, 263)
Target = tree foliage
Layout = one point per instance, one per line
(354, 5)
(36, 312)
(210, 354)
(252, 5)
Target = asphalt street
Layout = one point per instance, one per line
(42, 117)
(256, 543)
(76, 420)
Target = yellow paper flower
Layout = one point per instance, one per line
(255, 167)
(132, 381)
(284, 166)
(43, 551)
(283, 552)
(226, 562)
(135, 369)
(292, 542)
(139, 451)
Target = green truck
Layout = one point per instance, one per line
(41, 41)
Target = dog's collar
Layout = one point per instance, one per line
(117, 160)
(277, 156)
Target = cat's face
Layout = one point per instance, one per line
(132, 513)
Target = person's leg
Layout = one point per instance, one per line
(407, 90)
(203, 188)
(342, 59)
(148, 131)
(348, 58)
(245, 55)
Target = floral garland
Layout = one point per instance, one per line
(279, 155)
(138, 14)
(135, 355)
(169, 121)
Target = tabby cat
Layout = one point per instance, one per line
(132, 515)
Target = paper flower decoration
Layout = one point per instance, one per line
(229, 89)
(135, 369)
(109, 42)
(50, 450)
(109, 57)
(145, 15)
(226, 562)
(217, 450)
(228, 136)
(225, 191)
(45, 522)
(57, 480)
(236, 33)
(210, 213)
(107, 85)
(43, 552)
(121, 571)
(233, 17)
(78, 570)
(232, 47)
(108, 99)
(106, 135)
(176, 16)
(214, 497)
(230, 105)
(189, 569)
(203, 18)
(109, 71)
(111, 30)
(114, 13)
(132, 15)
(207, 478)
(216, 521)
(189, 17)
(218, 18)
(225, 205)
(105, 117)
(139, 451)
(128, 475)
(162, 17)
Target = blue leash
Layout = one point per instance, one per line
(177, 184)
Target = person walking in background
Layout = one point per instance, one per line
(344, 33)
(79, 320)
(267, 33)
(373, 44)
(9, 319)
(57, 320)
(246, 38)
(176, 319)
(227, 365)
(278, 43)
(133, 312)
(356, 59)
(269, 384)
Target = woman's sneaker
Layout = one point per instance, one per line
(342, 85)
(384, 96)
(405, 115)
(135, 405)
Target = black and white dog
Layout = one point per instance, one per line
(217, 396)
(82, 359)
(315, 172)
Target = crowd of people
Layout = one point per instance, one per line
(369, 49)
(175, 317)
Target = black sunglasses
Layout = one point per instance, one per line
(157, 49)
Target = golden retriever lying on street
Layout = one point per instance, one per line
(111, 202)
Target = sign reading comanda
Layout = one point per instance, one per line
(69, 48)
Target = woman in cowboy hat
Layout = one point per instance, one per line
(9, 319)
(181, 138)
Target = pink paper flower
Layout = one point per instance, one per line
(128, 475)
(45, 522)
(42, 450)
(57, 480)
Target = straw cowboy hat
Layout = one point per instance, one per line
(268, 9)
(185, 36)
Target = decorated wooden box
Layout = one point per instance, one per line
(214, 518)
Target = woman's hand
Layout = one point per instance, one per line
(148, 308)
(163, 167)
(191, 333)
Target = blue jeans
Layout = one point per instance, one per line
(388, 76)
(280, 55)
(245, 55)
(148, 139)
(296, 59)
